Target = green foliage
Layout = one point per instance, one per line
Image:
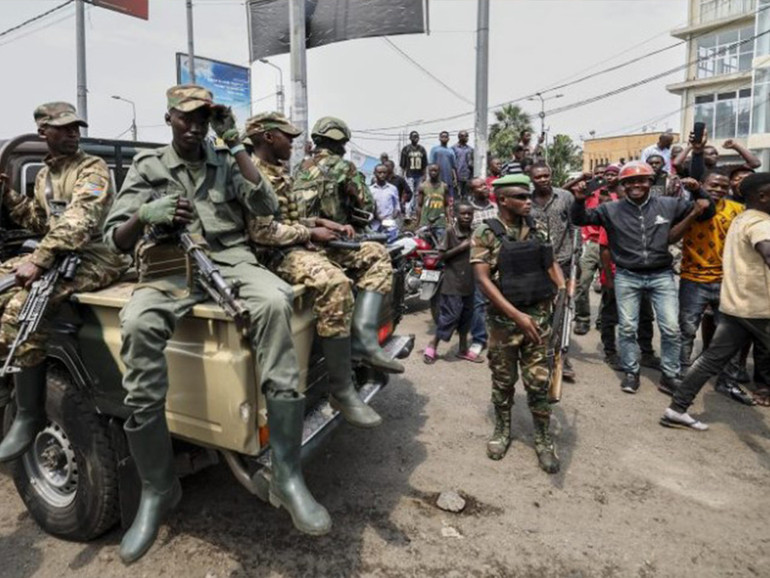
(504, 134)
(564, 157)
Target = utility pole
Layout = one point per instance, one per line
(190, 43)
(298, 77)
(541, 114)
(80, 44)
(279, 94)
(482, 90)
(133, 115)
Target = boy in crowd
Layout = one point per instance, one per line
(457, 288)
(744, 300)
(433, 202)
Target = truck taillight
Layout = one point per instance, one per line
(264, 435)
(385, 332)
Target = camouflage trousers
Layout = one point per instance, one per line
(509, 350)
(333, 296)
(369, 266)
(88, 277)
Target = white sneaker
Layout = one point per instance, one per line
(476, 348)
(673, 418)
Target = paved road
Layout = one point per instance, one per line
(633, 499)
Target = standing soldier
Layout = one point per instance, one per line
(515, 267)
(334, 193)
(72, 194)
(191, 184)
(289, 235)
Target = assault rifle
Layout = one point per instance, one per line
(563, 315)
(35, 305)
(210, 279)
(355, 243)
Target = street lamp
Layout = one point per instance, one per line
(133, 113)
(279, 88)
(539, 96)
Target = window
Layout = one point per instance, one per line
(725, 53)
(763, 25)
(761, 107)
(716, 9)
(726, 115)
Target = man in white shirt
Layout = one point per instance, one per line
(744, 309)
(387, 206)
(662, 148)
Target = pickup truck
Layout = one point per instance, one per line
(78, 479)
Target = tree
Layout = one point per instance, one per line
(504, 134)
(564, 157)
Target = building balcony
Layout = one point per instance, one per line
(703, 27)
(705, 83)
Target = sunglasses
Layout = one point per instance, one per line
(520, 196)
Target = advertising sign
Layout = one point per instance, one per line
(229, 83)
(136, 8)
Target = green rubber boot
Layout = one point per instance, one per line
(30, 412)
(546, 453)
(344, 397)
(366, 346)
(285, 415)
(150, 446)
(498, 444)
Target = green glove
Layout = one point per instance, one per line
(223, 124)
(159, 212)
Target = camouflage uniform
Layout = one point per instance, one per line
(507, 345)
(78, 188)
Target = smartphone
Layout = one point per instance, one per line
(698, 130)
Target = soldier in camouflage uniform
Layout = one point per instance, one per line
(517, 335)
(290, 235)
(210, 192)
(71, 197)
(329, 189)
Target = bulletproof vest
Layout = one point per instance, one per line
(523, 268)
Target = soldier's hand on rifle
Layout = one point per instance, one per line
(27, 273)
(223, 124)
(168, 210)
(322, 235)
(528, 327)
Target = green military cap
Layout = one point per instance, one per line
(187, 97)
(269, 120)
(512, 181)
(57, 114)
(332, 128)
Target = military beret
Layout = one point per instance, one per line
(187, 97)
(269, 120)
(57, 114)
(511, 181)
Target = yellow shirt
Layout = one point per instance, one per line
(746, 286)
(704, 243)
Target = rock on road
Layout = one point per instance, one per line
(632, 499)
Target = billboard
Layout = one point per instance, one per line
(136, 8)
(329, 21)
(229, 83)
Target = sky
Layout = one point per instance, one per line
(534, 46)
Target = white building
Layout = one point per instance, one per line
(727, 74)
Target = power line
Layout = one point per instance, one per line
(35, 18)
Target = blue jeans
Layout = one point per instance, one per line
(414, 183)
(693, 300)
(661, 288)
(478, 324)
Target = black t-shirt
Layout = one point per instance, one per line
(404, 192)
(414, 160)
(458, 271)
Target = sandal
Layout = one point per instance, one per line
(761, 396)
(469, 355)
(429, 355)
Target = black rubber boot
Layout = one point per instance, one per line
(546, 453)
(285, 416)
(150, 446)
(30, 413)
(498, 444)
(366, 316)
(344, 397)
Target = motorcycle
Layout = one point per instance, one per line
(424, 269)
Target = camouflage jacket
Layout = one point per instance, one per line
(289, 226)
(331, 187)
(222, 198)
(71, 198)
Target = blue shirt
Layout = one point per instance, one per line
(464, 156)
(446, 160)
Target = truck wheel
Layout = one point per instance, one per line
(68, 479)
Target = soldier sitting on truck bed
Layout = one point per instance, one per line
(331, 190)
(72, 194)
(297, 261)
(210, 192)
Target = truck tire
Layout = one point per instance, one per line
(68, 480)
